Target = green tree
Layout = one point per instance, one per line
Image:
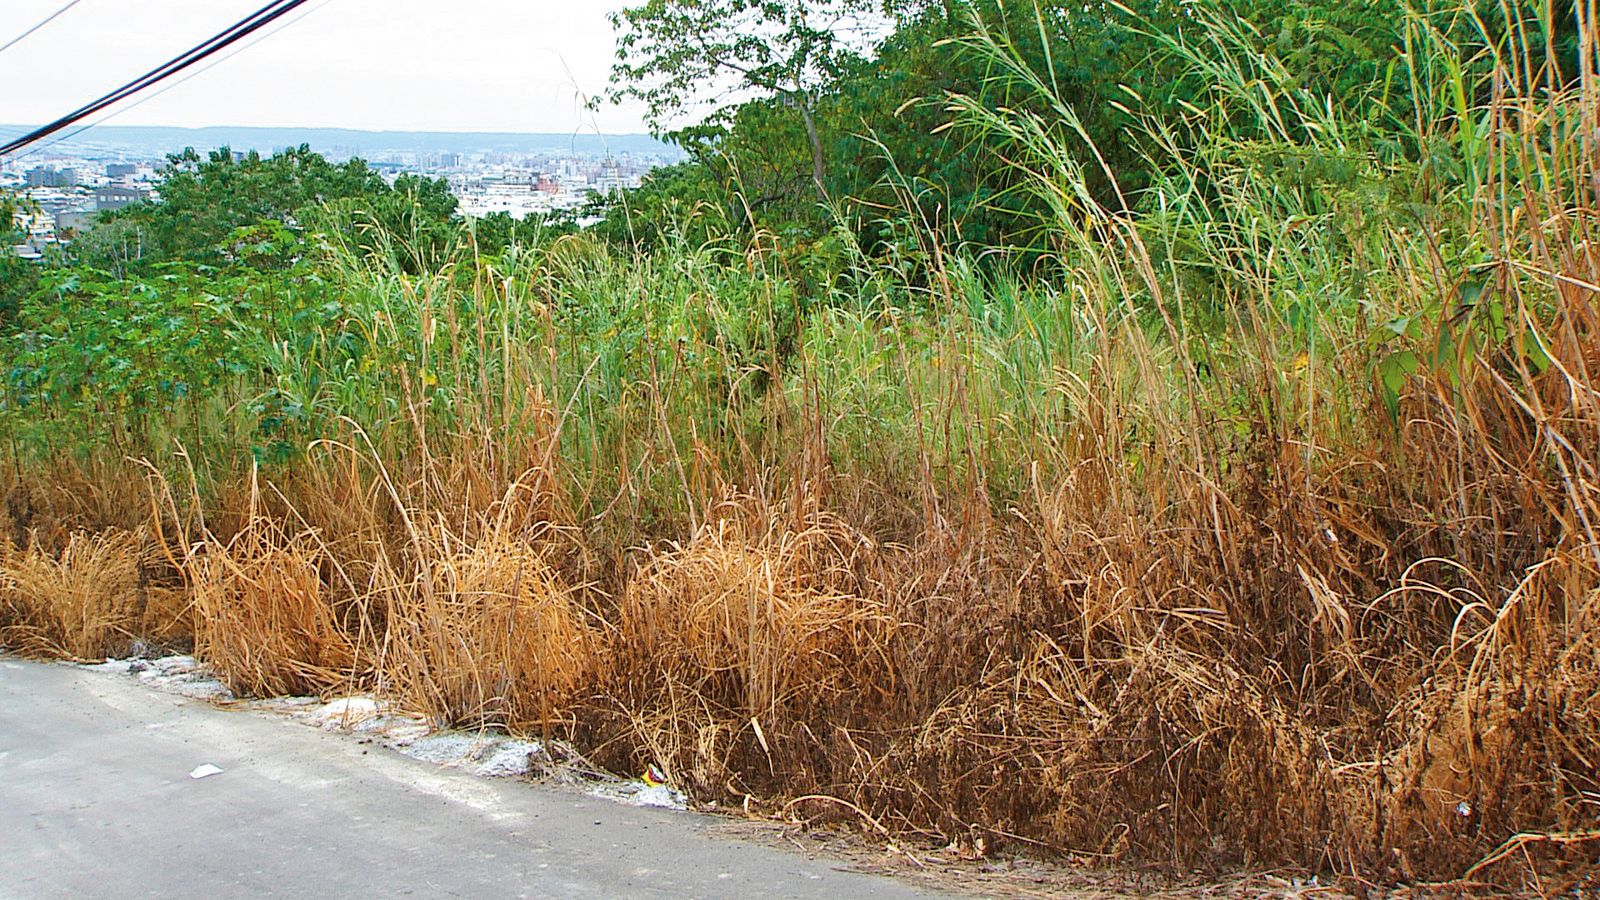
(18, 277)
(682, 55)
(204, 200)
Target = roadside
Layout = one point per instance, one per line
(355, 798)
(97, 798)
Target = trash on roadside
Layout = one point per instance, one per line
(205, 771)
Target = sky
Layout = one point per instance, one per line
(421, 65)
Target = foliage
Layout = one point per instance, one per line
(17, 276)
(677, 54)
(205, 199)
(1172, 442)
(677, 205)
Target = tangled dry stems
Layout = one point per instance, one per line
(91, 599)
(1183, 638)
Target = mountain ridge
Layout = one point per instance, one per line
(156, 139)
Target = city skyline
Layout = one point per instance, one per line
(69, 184)
(490, 65)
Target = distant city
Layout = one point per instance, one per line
(70, 182)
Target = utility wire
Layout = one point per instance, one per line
(245, 27)
(235, 33)
(46, 21)
(167, 87)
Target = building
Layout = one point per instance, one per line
(41, 176)
(121, 170)
(73, 221)
(113, 196)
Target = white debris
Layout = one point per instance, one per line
(637, 793)
(509, 759)
(485, 754)
(178, 674)
(346, 712)
(489, 755)
(393, 730)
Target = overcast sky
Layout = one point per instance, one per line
(439, 65)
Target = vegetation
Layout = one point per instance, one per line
(1164, 435)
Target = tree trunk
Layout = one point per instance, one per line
(817, 171)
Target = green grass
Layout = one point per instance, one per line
(1250, 522)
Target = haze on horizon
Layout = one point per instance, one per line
(403, 65)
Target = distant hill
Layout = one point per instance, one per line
(154, 141)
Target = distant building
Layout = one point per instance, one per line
(52, 177)
(114, 196)
(121, 170)
(74, 221)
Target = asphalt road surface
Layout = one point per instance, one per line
(96, 801)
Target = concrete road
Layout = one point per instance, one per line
(96, 801)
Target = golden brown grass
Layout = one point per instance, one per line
(486, 634)
(93, 599)
(1381, 660)
(1210, 626)
(751, 630)
(1273, 664)
(265, 616)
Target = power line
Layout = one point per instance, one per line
(235, 33)
(46, 21)
(257, 20)
(151, 96)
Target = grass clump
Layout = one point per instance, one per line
(1251, 522)
(92, 599)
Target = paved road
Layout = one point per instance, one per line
(96, 801)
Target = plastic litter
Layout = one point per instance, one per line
(205, 771)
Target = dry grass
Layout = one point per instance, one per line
(1364, 662)
(751, 631)
(1247, 617)
(267, 617)
(1272, 664)
(485, 635)
(91, 600)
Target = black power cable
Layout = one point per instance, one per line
(67, 136)
(46, 21)
(233, 34)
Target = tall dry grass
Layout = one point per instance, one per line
(760, 626)
(1132, 564)
(91, 599)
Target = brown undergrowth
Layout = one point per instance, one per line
(1274, 664)
(90, 598)
(1273, 609)
(1379, 659)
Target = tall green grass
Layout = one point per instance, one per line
(1256, 526)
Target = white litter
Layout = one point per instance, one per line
(346, 712)
(637, 793)
(509, 759)
(491, 756)
(178, 674)
(484, 754)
